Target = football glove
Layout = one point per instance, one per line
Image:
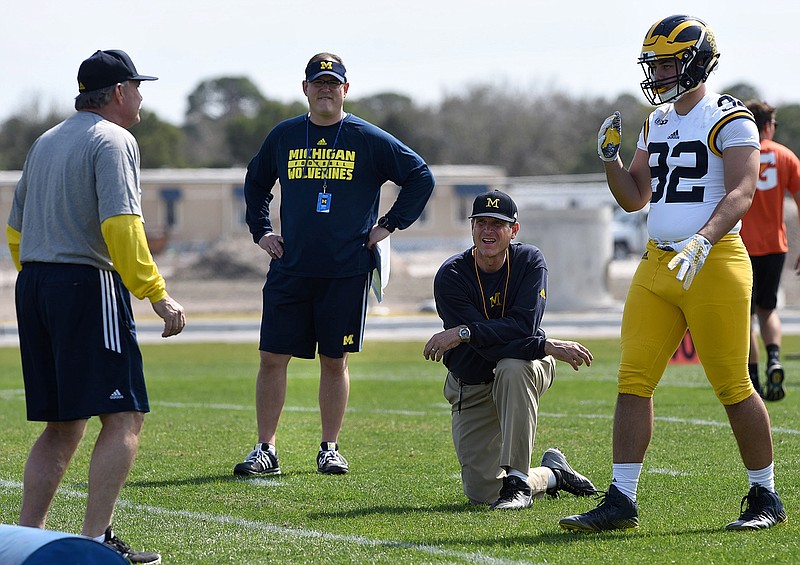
(609, 138)
(691, 255)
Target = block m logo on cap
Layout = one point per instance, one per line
(494, 204)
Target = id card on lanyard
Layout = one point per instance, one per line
(324, 197)
(324, 201)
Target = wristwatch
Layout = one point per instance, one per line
(386, 224)
(463, 334)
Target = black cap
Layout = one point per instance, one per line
(494, 204)
(106, 68)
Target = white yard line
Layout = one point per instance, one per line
(444, 410)
(436, 409)
(275, 530)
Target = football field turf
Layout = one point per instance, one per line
(402, 500)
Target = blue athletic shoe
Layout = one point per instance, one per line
(615, 512)
(763, 510)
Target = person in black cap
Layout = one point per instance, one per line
(491, 299)
(331, 166)
(107, 68)
(80, 355)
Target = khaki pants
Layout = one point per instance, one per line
(494, 426)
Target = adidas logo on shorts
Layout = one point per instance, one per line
(116, 395)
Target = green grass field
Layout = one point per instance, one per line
(402, 500)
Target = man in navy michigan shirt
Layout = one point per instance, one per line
(330, 165)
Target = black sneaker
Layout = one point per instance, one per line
(566, 477)
(260, 461)
(615, 512)
(774, 389)
(514, 494)
(125, 550)
(764, 510)
(330, 461)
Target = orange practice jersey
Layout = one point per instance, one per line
(763, 230)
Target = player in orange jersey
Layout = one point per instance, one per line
(764, 235)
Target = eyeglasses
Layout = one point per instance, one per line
(319, 83)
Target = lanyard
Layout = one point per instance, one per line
(335, 140)
(480, 285)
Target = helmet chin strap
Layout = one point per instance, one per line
(672, 95)
(676, 93)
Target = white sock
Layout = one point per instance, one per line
(626, 478)
(267, 447)
(763, 477)
(512, 472)
(551, 478)
(101, 538)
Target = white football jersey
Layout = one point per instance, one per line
(685, 157)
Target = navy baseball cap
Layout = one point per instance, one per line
(494, 204)
(316, 69)
(106, 68)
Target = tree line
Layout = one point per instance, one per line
(549, 133)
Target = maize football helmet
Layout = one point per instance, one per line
(692, 45)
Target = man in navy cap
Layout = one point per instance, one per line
(76, 234)
(491, 299)
(330, 166)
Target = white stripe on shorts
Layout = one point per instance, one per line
(364, 301)
(110, 312)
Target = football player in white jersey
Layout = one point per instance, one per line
(696, 164)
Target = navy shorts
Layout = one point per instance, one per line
(300, 313)
(80, 357)
(767, 271)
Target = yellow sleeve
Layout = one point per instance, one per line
(13, 237)
(127, 246)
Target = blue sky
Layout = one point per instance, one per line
(425, 49)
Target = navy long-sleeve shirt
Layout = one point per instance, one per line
(503, 323)
(353, 158)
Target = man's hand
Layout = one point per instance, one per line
(376, 234)
(441, 342)
(609, 138)
(272, 243)
(173, 315)
(692, 253)
(570, 352)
